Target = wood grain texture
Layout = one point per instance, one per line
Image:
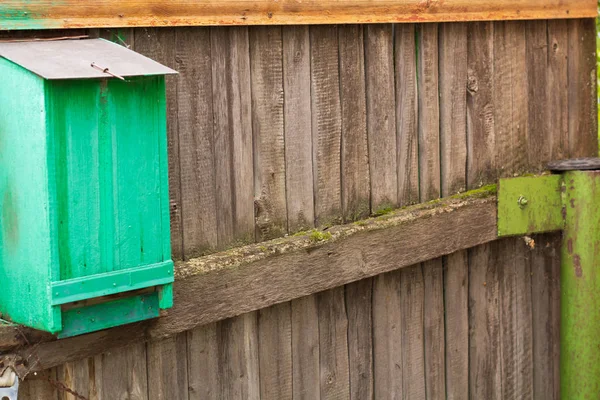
(557, 88)
(196, 143)
(122, 373)
(298, 134)
(583, 119)
(481, 151)
(167, 368)
(355, 180)
(232, 133)
(453, 159)
(203, 363)
(47, 14)
(333, 345)
(388, 334)
(544, 261)
(359, 296)
(305, 349)
(159, 45)
(237, 344)
(406, 114)
(275, 351)
(79, 377)
(266, 59)
(217, 288)
(38, 387)
(381, 121)
(326, 124)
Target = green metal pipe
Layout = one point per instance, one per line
(580, 284)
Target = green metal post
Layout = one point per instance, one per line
(580, 287)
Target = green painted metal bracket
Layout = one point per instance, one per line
(105, 284)
(530, 205)
(569, 202)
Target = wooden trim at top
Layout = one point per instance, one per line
(53, 14)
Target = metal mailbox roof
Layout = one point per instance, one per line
(72, 59)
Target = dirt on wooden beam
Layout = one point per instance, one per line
(244, 279)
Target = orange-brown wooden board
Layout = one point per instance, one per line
(53, 14)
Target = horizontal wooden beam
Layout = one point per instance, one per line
(52, 14)
(249, 278)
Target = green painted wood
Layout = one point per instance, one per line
(26, 252)
(84, 194)
(77, 321)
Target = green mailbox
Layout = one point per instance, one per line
(84, 206)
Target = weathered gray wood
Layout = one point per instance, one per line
(381, 121)
(203, 363)
(485, 366)
(333, 345)
(583, 119)
(453, 160)
(359, 302)
(305, 349)
(266, 56)
(298, 134)
(159, 45)
(544, 260)
(354, 153)
(122, 373)
(388, 337)
(406, 114)
(167, 368)
(275, 351)
(237, 343)
(232, 133)
(250, 278)
(38, 387)
(196, 144)
(326, 123)
(539, 140)
(456, 304)
(481, 153)
(412, 292)
(557, 88)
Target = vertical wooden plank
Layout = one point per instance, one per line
(232, 130)
(412, 292)
(428, 112)
(583, 112)
(237, 343)
(167, 368)
(122, 373)
(266, 61)
(326, 124)
(407, 140)
(196, 146)
(430, 185)
(388, 337)
(305, 349)
(359, 304)
(159, 45)
(557, 122)
(333, 341)
(544, 260)
(539, 140)
(355, 153)
(38, 387)
(481, 151)
(484, 322)
(79, 377)
(203, 363)
(515, 320)
(381, 121)
(275, 352)
(453, 143)
(298, 134)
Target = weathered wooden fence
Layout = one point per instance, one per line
(274, 130)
